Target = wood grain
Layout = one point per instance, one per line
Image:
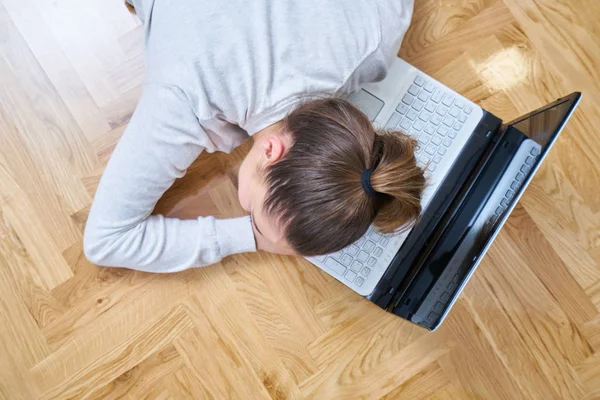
(260, 326)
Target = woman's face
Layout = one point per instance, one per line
(269, 147)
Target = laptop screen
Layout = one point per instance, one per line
(543, 125)
(478, 220)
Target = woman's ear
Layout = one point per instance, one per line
(274, 148)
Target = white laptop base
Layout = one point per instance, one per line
(442, 121)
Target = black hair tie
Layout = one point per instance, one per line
(365, 181)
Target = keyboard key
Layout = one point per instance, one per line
(413, 132)
(384, 242)
(350, 275)
(424, 116)
(437, 140)
(405, 124)
(356, 266)
(460, 103)
(424, 159)
(419, 80)
(429, 86)
(514, 186)
(454, 111)
(393, 121)
(457, 126)
(451, 134)
(337, 255)
(442, 151)
(408, 99)
(436, 119)
(430, 107)
(346, 260)
(525, 169)
(431, 167)
(414, 90)
(468, 109)
(437, 158)
(402, 108)
(462, 118)
(412, 115)
(423, 139)
(519, 177)
(534, 151)
(448, 120)
(365, 271)
(418, 105)
(363, 256)
(378, 251)
(443, 130)
(372, 261)
(529, 160)
(441, 110)
(509, 194)
(447, 142)
(430, 149)
(448, 100)
(352, 250)
(498, 210)
(437, 96)
(369, 246)
(418, 125)
(374, 236)
(359, 281)
(504, 202)
(430, 129)
(423, 96)
(335, 266)
(361, 241)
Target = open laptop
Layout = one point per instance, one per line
(476, 169)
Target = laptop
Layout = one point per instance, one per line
(476, 169)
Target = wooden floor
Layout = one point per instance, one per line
(259, 326)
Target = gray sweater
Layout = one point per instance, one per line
(218, 71)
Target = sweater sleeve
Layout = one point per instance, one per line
(163, 138)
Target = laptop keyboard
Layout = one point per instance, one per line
(435, 116)
(355, 263)
(432, 116)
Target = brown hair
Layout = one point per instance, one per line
(315, 191)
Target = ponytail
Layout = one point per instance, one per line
(397, 179)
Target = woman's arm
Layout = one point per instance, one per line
(163, 138)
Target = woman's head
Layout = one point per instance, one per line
(302, 179)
